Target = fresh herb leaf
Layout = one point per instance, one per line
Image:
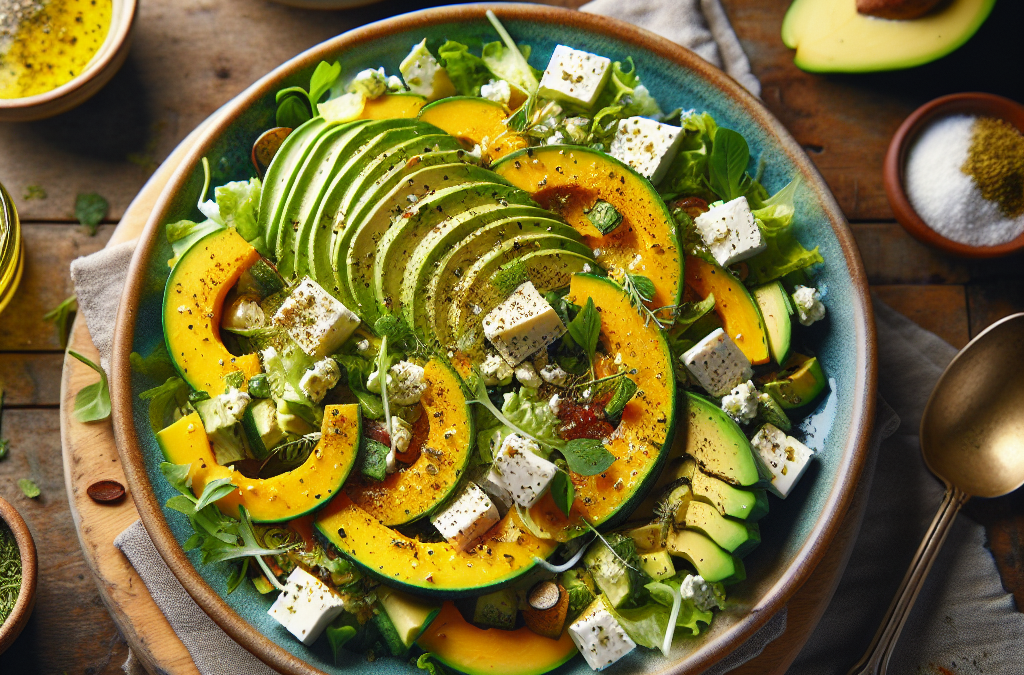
(90, 209)
(640, 290)
(728, 163)
(644, 286)
(466, 71)
(323, 77)
(92, 403)
(625, 389)
(510, 276)
(214, 490)
(237, 576)
(60, 316)
(585, 329)
(259, 386)
(28, 488)
(164, 400)
(157, 365)
(337, 636)
(604, 217)
(235, 379)
(563, 492)
(587, 456)
(424, 662)
(292, 112)
(373, 460)
(399, 334)
(177, 476)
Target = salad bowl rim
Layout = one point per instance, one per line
(855, 446)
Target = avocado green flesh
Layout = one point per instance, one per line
(776, 309)
(749, 505)
(473, 203)
(409, 616)
(720, 446)
(355, 252)
(734, 536)
(309, 184)
(278, 180)
(420, 284)
(799, 386)
(549, 268)
(709, 559)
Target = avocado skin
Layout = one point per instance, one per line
(735, 536)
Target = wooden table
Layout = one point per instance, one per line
(190, 56)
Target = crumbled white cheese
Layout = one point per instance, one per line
(224, 410)
(495, 370)
(646, 145)
(406, 383)
(555, 403)
(466, 517)
(371, 83)
(730, 232)
(741, 402)
(244, 313)
(315, 319)
(574, 76)
(320, 379)
(522, 471)
(599, 636)
(401, 434)
(695, 588)
(717, 363)
(522, 324)
(786, 457)
(306, 606)
(363, 346)
(373, 382)
(424, 75)
(808, 304)
(553, 374)
(528, 375)
(496, 90)
(555, 138)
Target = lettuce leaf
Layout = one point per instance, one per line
(525, 409)
(467, 72)
(184, 233)
(688, 174)
(624, 96)
(238, 203)
(510, 65)
(648, 625)
(784, 253)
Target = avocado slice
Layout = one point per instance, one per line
(799, 384)
(751, 505)
(549, 268)
(709, 559)
(278, 181)
(720, 446)
(496, 610)
(831, 36)
(736, 536)
(437, 257)
(408, 615)
(776, 310)
(657, 564)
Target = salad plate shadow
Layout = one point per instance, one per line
(839, 429)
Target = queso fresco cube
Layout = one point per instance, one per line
(717, 363)
(315, 319)
(646, 145)
(466, 518)
(786, 457)
(305, 606)
(730, 232)
(522, 324)
(574, 76)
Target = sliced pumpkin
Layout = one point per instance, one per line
(416, 490)
(475, 121)
(283, 497)
(571, 180)
(391, 106)
(642, 440)
(479, 651)
(504, 553)
(193, 301)
(739, 313)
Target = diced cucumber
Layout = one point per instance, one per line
(373, 459)
(263, 279)
(616, 573)
(409, 616)
(496, 610)
(261, 427)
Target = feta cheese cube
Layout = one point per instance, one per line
(522, 324)
(318, 380)
(599, 637)
(528, 375)
(495, 370)
(786, 457)
(406, 383)
(371, 83)
(809, 307)
(466, 518)
(494, 487)
(741, 403)
(695, 588)
(496, 90)
(574, 76)
(315, 319)
(555, 404)
(730, 232)
(424, 75)
(717, 363)
(305, 606)
(523, 472)
(646, 145)
(553, 374)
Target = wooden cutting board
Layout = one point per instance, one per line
(90, 455)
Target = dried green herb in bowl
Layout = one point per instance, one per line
(10, 572)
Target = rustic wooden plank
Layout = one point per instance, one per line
(49, 250)
(992, 300)
(31, 379)
(940, 309)
(68, 604)
(891, 256)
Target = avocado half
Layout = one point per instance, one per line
(829, 36)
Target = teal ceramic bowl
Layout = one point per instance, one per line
(797, 531)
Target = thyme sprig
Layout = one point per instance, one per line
(640, 290)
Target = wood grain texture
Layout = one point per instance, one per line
(940, 309)
(31, 380)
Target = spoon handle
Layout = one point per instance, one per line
(876, 659)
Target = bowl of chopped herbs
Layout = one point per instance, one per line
(17, 574)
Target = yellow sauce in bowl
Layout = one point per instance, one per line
(46, 43)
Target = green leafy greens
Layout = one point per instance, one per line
(784, 253)
(92, 402)
(292, 110)
(90, 208)
(60, 316)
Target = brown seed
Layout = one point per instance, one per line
(106, 491)
(544, 595)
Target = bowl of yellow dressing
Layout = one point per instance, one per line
(55, 54)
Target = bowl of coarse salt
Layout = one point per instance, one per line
(954, 175)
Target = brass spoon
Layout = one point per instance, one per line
(972, 439)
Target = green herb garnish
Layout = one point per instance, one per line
(60, 316)
(728, 163)
(510, 276)
(291, 109)
(90, 209)
(563, 492)
(625, 389)
(604, 217)
(29, 488)
(259, 386)
(585, 330)
(92, 402)
(587, 456)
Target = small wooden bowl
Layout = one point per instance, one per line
(987, 105)
(11, 628)
(107, 61)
